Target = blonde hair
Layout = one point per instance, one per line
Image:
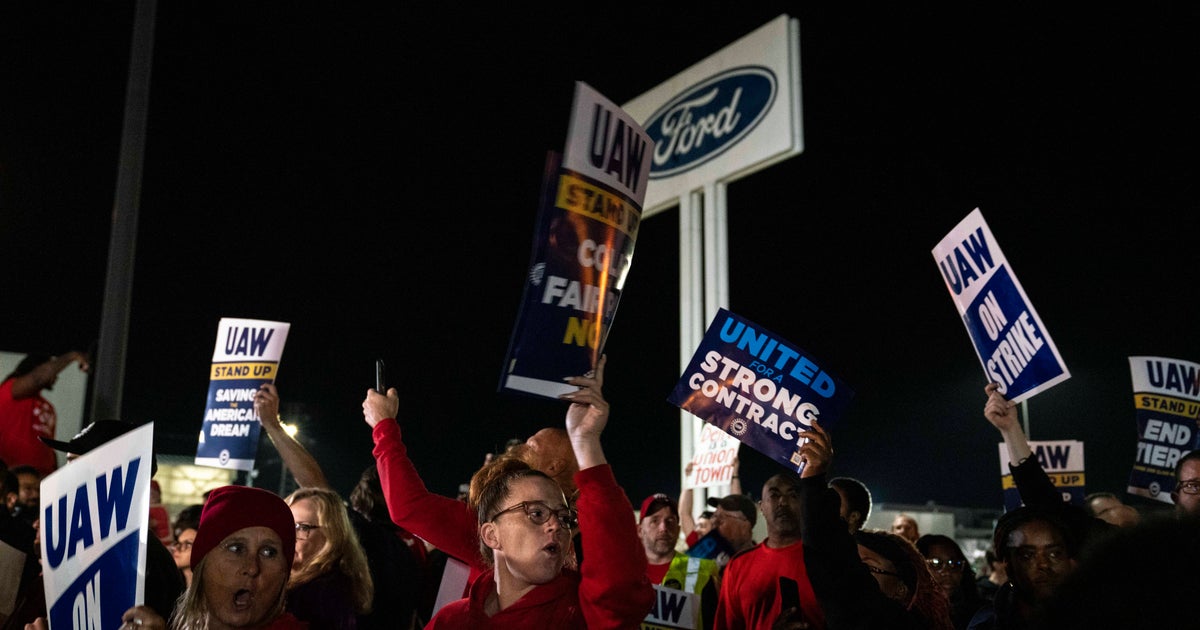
(341, 551)
(191, 609)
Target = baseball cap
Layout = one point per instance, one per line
(93, 436)
(737, 503)
(656, 502)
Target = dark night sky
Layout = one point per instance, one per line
(371, 176)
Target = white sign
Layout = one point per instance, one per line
(246, 356)
(94, 521)
(712, 464)
(672, 608)
(730, 115)
(1013, 345)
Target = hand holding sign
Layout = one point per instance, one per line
(759, 388)
(817, 452)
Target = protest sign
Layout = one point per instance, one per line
(672, 609)
(246, 355)
(712, 463)
(1013, 346)
(1062, 461)
(588, 219)
(94, 524)
(712, 546)
(1166, 395)
(759, 388)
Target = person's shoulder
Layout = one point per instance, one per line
(983, 619)
(741, 555)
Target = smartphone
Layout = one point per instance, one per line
(789, 597)
(380, 381)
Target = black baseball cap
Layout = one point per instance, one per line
(737, 503)
(95, 435)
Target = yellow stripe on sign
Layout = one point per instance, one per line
(1168, 404)
(1067, 480)
(578, 196)
(231, 371)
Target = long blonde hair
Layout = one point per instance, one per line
(341, 552)
(191, 609)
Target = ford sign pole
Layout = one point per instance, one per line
(745, 95)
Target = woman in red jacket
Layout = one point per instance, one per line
(525, 529)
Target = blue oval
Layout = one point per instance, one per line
(707, 119)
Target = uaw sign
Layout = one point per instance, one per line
(730, 115)
(1013, 345)
(1166, 396)
(95, 516)
(245, 357)
(583, 247)
(759, 388)
(1063, 462)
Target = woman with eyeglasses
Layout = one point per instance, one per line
(330, 583)
(181, 550)
(954, 574)
(525, 529)
(869, 579)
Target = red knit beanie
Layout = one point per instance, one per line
(230, 508)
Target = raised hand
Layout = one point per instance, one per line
(266, 405)
(587, 416)
(817, 452)
(377, 407)
(998, 410)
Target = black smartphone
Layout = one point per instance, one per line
(380, 381)
(789, 596)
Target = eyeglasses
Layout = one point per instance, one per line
(182, 545)
(939, 565)
(539, 513)
(1191, 486)
(304, 529)
(880, 571)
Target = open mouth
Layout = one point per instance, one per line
(242, 599)
(552, 548)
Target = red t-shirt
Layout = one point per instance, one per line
(656, 572)
(22, 420)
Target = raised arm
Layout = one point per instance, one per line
(44, 375)
(587, 416)
(1002, 413)
(735, 482)
(848, 594)
(446, 523)
(613, 590)
(1031, 480)
(303, 465)
(687, 522)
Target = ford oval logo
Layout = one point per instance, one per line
(707, 119)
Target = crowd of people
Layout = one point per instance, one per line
(545, 539)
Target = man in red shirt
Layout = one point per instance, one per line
(25, 414)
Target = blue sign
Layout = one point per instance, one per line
(759, 388)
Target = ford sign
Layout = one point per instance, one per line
(709, 118)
